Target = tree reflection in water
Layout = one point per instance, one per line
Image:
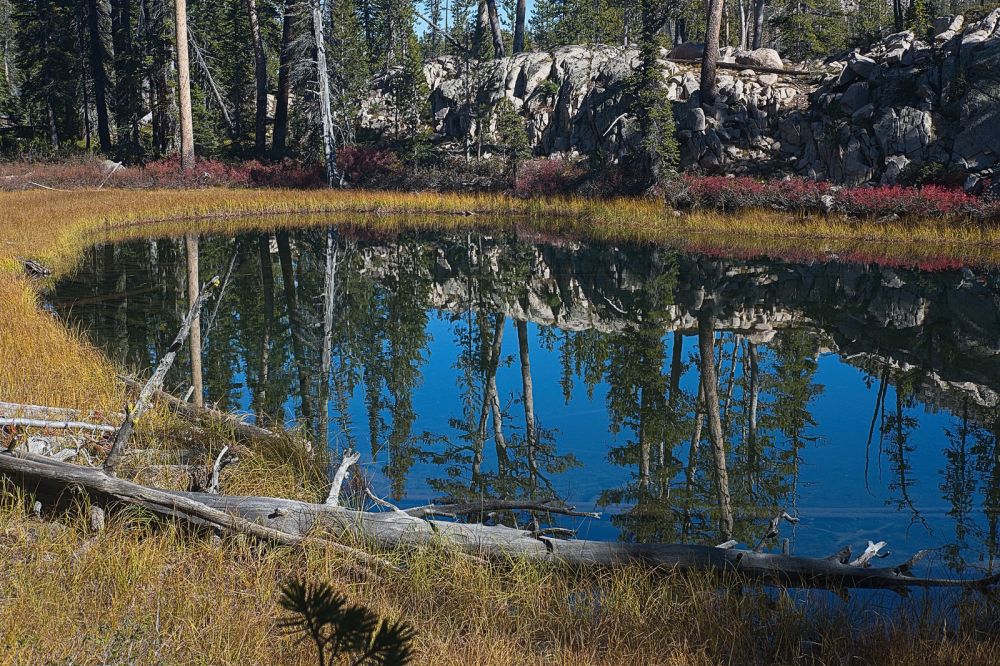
(466, 364)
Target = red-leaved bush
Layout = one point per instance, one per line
(369, 165)
(799, 194)
(546, 177)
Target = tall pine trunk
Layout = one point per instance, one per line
(710, 59)
(260, 76)
(280, 134)
(758, 24)
(520, 16)
(184, 85)
(101, 55)
(495, 28)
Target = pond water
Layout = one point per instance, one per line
(861, 398)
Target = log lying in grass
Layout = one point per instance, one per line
(204, 415)
(55, 425)
(18, 410)
(289, 522)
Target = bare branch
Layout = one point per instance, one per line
(350, 458)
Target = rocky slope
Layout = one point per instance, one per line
(871, 116)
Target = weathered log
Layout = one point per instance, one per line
(203, 415)
(56, 425)
(33, 268)
(145, 399)
(756, 68)
(31, 471)
(16, 409)
(288, 522)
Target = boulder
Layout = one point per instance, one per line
(855, 97)
(861, 65)
(906, 132)
(894, 166)
(688, 51)
(760, 58)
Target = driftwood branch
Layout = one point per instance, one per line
(56, 425)
(288, 522)
(34, 268)
(220, 463)
(31, 470)
(145, 399)
(772, 529)
(16, 409)
(350, 457)
(203, 415)
(756, 68)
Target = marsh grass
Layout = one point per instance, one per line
(147, 592)
(143, 592)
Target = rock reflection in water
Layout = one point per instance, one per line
(688, 396)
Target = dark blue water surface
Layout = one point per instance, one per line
(862, 399)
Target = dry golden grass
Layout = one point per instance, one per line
(143, 594)
(139, 593)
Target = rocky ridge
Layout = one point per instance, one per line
(873, 116)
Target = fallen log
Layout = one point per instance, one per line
(56, 425)
(204, 415)
(289, 522)
(756, 68)
(16, 409)
(145, 398)
(32, 471)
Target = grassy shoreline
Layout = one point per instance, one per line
(137, 593)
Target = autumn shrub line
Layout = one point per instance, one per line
(89, 172)
(802, 195)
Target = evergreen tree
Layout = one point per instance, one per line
(809, 28)
(347, 60)
(512, 134)
(656, 119)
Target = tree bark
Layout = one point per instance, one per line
(323, 80)
(260, 77)
(193, 286)
(495, 28)
(520, 15)
(99, 21)
(710, 59)
(184, 86)
(710, 392)
(280, 133)
(758, 24)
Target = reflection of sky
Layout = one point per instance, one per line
(835, 506)
(832, 500)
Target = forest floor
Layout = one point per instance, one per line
(140, 592)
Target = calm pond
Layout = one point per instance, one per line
(861, 398)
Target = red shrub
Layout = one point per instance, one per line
(286, 174)
(369, 165)
(546, 177)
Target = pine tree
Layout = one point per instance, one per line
(347, 58)
(410, 97)
(656, 118)
(512, 133)
(918, 18)
(809, 28)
